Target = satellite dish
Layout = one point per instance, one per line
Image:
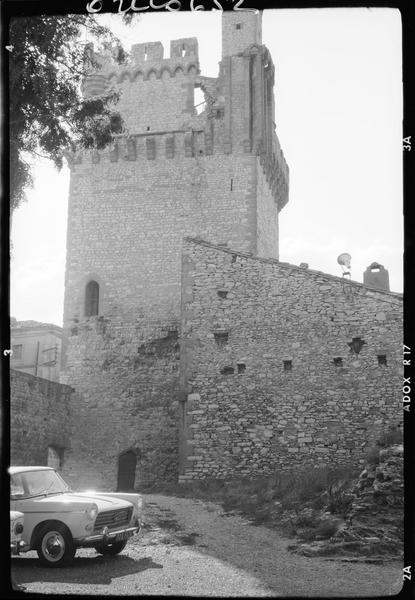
(344, 261)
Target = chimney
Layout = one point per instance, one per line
(376, 276)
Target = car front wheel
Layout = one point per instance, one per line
(111, 549)
(55, 546)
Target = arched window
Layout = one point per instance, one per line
(91, 299)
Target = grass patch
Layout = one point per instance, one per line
(263, 499)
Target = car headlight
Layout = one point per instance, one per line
(18, 528)
(91, 512)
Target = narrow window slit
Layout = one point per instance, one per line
(91, 299)
(221, 338)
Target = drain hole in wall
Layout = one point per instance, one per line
(227, 371)
(356, 345)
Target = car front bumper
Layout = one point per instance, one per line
(16, 546)
(108, 537)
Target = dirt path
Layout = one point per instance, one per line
(190, 547)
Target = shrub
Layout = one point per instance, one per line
(339, 497)
(326, 529)
(391, 437)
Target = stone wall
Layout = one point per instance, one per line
(267, 219)
(126, 378)
(39, 417)
(127, 221)
(268, 371)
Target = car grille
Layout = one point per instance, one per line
(113, 519)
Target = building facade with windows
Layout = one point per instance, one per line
(36, 348)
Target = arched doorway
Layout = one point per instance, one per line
(127, 462)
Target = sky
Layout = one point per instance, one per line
(338, 99)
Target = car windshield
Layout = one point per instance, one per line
(36, 483)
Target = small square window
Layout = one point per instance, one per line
(382, 360)
(221, 338)
(288, 365)
(338, 361)
(238, 26)
(17, 351)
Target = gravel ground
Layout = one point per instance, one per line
(191, 547)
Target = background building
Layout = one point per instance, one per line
(36, 348)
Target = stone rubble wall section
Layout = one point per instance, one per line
(127, 221)
(40, 414)
(270, 396)
(161, 102)
(127, 398)
(380, 487)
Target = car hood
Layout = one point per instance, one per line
(71, 501)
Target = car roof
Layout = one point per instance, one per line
(14, 470)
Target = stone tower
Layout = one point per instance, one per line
(218, 175)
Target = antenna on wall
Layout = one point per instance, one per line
(344, 261)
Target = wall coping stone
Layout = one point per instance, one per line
(28, 376)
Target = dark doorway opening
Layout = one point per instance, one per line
(127, 462)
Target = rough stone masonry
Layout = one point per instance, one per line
(143, 346)
(282, 366)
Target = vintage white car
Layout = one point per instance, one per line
(16, 529)
(57, 520)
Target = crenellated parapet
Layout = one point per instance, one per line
(157, 103)
(276, 171)
(277, 175)
(146, 62)
(155, 146)
(156, 93)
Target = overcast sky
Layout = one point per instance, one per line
(338, 98)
